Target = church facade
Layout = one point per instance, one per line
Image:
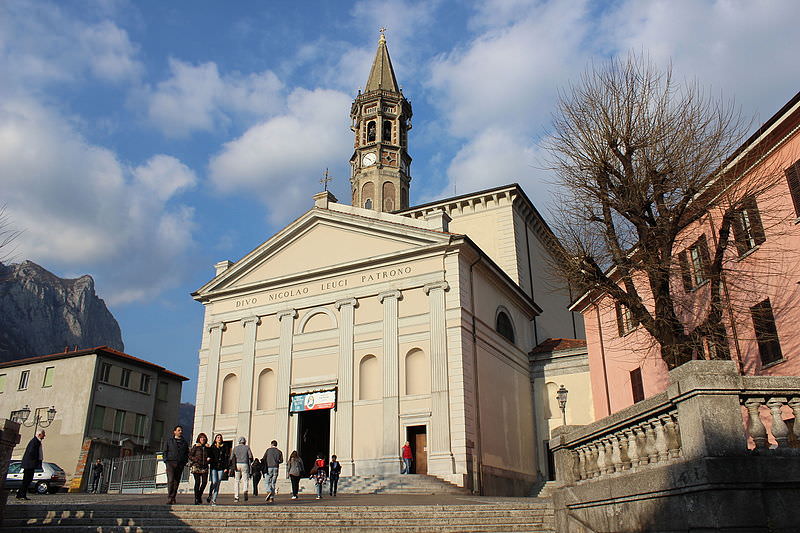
(359, 327)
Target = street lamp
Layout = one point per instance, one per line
(21, 416)
(561, 396)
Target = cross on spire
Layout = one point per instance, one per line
(325, 179)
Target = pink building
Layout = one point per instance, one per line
(760, 285)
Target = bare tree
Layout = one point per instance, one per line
(639, 158)
(7, 235)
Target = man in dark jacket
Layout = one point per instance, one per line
(176, 455)
(31, 461)
(272, 458)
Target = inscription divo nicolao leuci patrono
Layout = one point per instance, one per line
(323, 286)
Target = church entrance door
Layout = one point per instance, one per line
(313, 436)
(417, 436)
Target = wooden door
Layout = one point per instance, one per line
(420, 453)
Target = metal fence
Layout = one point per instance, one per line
(136, 474)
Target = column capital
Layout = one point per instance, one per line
(214, 325)
(353, 302)
(443, 285)
(248, 319)
(396, 294)
(286, 313)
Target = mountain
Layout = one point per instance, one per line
(186, 420)
(41, 313)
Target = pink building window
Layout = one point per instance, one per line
(748, 232)
(793, 177)
(637, 386)
(769, 346)
(694, 264)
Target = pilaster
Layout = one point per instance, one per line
(212, 373)
(343, 447)
(246, 378)
(391, 398)
(284, 376)
(440, 457)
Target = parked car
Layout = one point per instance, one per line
(50, 478)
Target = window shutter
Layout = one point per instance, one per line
(755, 218)
(739, 233)
(686, 274)
(793, 177)
(620, 321)
(702, 243)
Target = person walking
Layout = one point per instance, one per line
(199, 459)
(406, 456)
(218, 462)
(176, 454)
(335, 469)
(273, 457)
(295, 469)
(97, 475)
(257, 470)
(320, 474)
(31, 461)
(241, 457)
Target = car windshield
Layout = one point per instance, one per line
(54, 466)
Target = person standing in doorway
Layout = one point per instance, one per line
(295, 469)
(218, 462)
(199, 457)
(273, 457)
(31, 461)
(407, 457)
(256, 470)
(176, 455)
(336, 469)
(97, 475)
(241, 457)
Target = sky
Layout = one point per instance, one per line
(142, 142)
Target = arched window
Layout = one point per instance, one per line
(388, 196)
(418, 375)
(504, 326)
(266, 390)
(371, 131)
(369, 382)
(229, 399)
(367, 194)
(387, 131)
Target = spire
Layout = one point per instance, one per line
(382, 74)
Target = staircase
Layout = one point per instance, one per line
(383, 484)
(531, 515)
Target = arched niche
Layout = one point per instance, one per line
(418, 373)
(317, 319)
(229, 399)
(265, 399)
(369, 378)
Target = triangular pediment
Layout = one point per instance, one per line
(320, 240)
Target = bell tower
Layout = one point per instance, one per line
(381, 117)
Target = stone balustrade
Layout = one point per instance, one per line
(722, 444)
(704, 396)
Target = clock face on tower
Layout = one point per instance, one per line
(369, 159)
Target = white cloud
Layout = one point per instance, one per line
(79, 205)
(280, 159)
(41, 44)
(197, 98)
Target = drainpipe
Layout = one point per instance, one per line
(478, 474)
(603, 357)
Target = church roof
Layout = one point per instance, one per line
(381, 76)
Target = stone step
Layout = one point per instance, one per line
(477, 527)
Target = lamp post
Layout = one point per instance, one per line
(561, 396)
(21, 416)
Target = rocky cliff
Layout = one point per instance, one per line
(41, 313)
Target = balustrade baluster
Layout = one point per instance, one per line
(673, 436)
(633, 449)
(756, 429)
(624, 460)
(794, 403)
(611, 467)
(601, 458)
(641, 444)
(582, 463)
(650, 439)
(779, 429)
(660, 439)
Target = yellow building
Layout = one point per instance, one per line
(358, 327)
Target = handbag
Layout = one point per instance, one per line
(196, 469)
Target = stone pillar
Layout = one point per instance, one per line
(343, 445)
(246, 378)
(9, 437)
(440, 458)
(284, 377)
(212, 374)
(391, 397)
